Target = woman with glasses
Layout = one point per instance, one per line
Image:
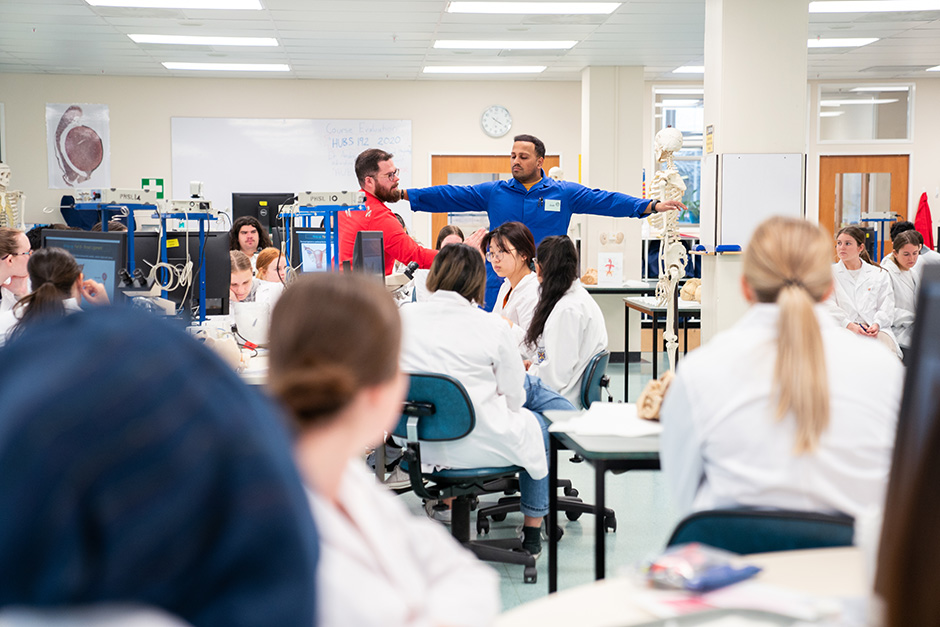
(567, 328)
(58, 288)
(14, 253)
(510, 249)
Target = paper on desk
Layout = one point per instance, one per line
(618, 419)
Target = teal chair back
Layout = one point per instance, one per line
(746, 531)
(436, 395)
(595, 378)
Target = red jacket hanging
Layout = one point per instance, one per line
(923, 222)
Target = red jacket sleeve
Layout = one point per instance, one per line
(400, 246)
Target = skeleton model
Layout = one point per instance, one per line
(667, 185)
(11, 203)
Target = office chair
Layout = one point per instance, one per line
(438, 409)
(594, 379)
(745, 530)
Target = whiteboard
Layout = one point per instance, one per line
(287, 155)
(755, 187)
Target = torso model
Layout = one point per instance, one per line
(668, 185)
(414, 572)
(12, 203)
(574, 332)
(449, 335)
(721, 446)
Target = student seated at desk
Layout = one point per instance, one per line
(14, 253)
(905, 273)
(785, 409)
(336, 370)
(567, 328)
(862, 300)
(245, 288)
(449, 234)
(271, 266)
(450, 334)
(58, 288)
(510, 249)
(248, 236)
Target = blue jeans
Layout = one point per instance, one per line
(534, 492)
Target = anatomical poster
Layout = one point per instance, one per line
(78, 142)
(610, 269)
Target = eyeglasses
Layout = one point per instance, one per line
(27, 253)
(497, 255)
(391, 176)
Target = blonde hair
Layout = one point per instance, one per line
(240, 261)
(787, 262)
(264, 259)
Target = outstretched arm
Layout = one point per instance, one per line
(449, 198)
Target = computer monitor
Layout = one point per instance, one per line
(218, 266)
(920, 403)
(369, 253)
(102, 255)
(263, 206)
(308, 250)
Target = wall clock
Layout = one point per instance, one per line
(496, 121)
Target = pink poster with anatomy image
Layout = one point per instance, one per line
(78, 145)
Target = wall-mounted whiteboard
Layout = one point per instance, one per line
(289, 155)
(755, 187)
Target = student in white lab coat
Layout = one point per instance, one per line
(450, 334)
(336, 370)
(449, 234)
(905, 273)
(784, 409)
(862, 299)
(568, 328)
(510, 249)
(14, 253)
(928, 256)
(59, 287)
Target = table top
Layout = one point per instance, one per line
(648, 305)
(822, 573)
(648, 287)
(609, 447)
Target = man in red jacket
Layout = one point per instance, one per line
(378, 178)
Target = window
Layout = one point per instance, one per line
(864, 113)
(683, 108)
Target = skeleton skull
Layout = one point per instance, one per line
(667, 141)
(4, 176)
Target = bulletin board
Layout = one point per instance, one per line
(279, 155)
(754, 187)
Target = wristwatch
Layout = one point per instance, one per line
(652, 207)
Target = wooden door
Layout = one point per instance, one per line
(443, 165)
(833, 171)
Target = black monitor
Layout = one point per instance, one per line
(218, 265)
(102, 255)
(369, 253)
(920, 403)
(308, 250)
(264, 206)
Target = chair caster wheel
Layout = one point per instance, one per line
(483, 526)
(559, 533)
(611, 523)
(530, 575)
(499, 517)
(572, 492)
(577, 459)
(474, 501)
(572, 515)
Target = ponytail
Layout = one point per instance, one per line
(52, 273)
(558, 263)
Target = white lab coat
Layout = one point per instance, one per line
(722, 446)
(573, 334)
(904, 285)
(867, 298)
(928, 257)
(391, 567)
(421, 285)
(10, 317)
(7, 299)
(520, 307)
(448, 335)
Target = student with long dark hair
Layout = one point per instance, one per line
(248, 236)
(58, 288)
(510, 249)
(567, 328)
(337, 373)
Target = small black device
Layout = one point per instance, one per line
(369, 253)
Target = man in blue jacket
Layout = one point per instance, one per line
(541, 203)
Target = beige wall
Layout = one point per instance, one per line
(445, 118)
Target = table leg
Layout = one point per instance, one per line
(600, 524)
(626, 351)
(552, 515)
(655, 347)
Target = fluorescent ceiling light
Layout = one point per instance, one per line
(845, 42)
(679, 103)
(830, 114)
(535, 8)
(228, 67)
(470, 44)
(252, 5)
(484, 69)
(839, 103)
(191, 40)
(873, 6)
(882, 88)
(690, 69)
(936, 68)
(680, 91)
